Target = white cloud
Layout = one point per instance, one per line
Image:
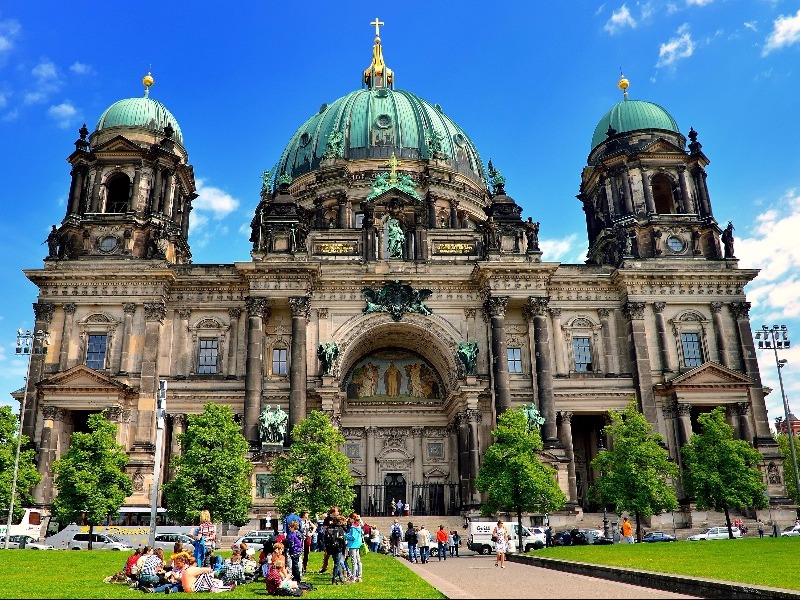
(34, 97)
(698, 2)
(214, 200)
(197, 223)
(785, 32)
(81, 69)
(751, 25)
(45, 72)
(620, 19)
(9, 31)
(63, 114)
(677, 48)
(558, 249)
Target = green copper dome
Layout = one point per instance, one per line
(633, 115)
(373, 123)
(140, 112)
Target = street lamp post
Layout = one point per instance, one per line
(28, 344)
(601, 446)
(777, 338)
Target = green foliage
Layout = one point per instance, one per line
(27, 475)
(788, 467)
(636, 473)
(90, 476)
(512, 475)
(721, 472)
(212, 472)
(314, 475)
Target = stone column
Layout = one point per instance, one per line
(233, 343)
(129, 308)
(640, 358)
(51, 422)
(558, 343)
(608, 341)
(626, 190)
(453, 214)
(154, 314)
(496, 307)
(368, 227)
(135, 191)
(298, 371)
(431, 203)
(97, 182)
(168, 192)
(371, 433)
(418, 435)
(745, 427)
(342, 213)
(719, 334)
(688, 205)
(565, 436)
(155, 191)
(647, 188)
(66, 335)
(663, 341)
(186, 353)
(741, 315)
(684, 412)
(76, 191)
(462, 430)
(43, 317)
(178, 427)
(732, 418)
(257, 314)
(474, 417)
(537, 307)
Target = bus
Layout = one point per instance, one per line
(30, 524)
(132, 525)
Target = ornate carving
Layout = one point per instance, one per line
(138, 481)
(555, 313)
(496, 305)
(272, 426)
(322, 313)
(668, 411)
(467, 353)
(301, 306)
(396, 298)
(742, 408)
(683, 410)
(395, 436)
(634, 311)
(234, 313)
(437, 432)
(566, 416)
(155, 311)
(129, 308)
(473, 416)
(327, 354)
(185, 313)
(69, 308)
(179, 421)
(536, 307)
(43, 311)
(113, 413)
(52, 412)
(257, 307)
(773, 474)
(716, 307)
(659, 307)
(353, 433)
(740, 310)
(603, 313)
(470, 312)
(418, 431)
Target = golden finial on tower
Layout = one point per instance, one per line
(147, 80)
(393, 163)
(623, 84)
(378, 75)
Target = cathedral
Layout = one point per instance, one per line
(395, 285)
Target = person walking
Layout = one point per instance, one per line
(411, 540)
(329, 519)
(760, 528)
(441, 543)
(400, 508)
(500, 537)
(395, 535)
(627, 531)
(424, 543)
(307, 529)
(456, 541)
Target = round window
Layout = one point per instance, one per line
(383, 121)
(675, 244)
(108, 243)
(459, 139)
(305, 139)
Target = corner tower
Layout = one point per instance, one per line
(644, 194)
(132, 187)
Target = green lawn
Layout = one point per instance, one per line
(769, 561)
(71, 574)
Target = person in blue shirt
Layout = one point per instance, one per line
(354, 538)
(292, 516)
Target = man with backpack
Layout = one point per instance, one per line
(329, 519)
(411, 540)
(334, 547)
(395, 534)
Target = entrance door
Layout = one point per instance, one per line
(394, 485)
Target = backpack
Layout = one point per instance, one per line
(334, 536)
(411, 536)
(397, 531)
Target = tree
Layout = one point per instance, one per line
(721, 472)
(212, 472)
(90, 476)
(636, 473)
(314, 474)
(27, 475)
(788, 467)
(513, 476)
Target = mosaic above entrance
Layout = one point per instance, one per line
(393, 376)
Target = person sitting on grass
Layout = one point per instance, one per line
(249, 565)
(172, 580)
(131, 563)
(152, 569)
(232, 571)
(278, 582)
(201, 579)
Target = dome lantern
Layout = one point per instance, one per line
(378, 75)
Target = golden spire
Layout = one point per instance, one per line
(623, 85)
(378, 75)
(393, 163)
(147, 80)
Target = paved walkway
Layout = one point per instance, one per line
(475, 576)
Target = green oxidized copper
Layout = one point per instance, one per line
(327, 354)
(335, 146)
(396, 238)
(433, 141)
(284, 179)
(496, 179)
(396, 298)
(535, 420)
(467, 353)
(383, 182)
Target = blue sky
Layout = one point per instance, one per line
(527, 81)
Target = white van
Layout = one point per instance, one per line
(100, 541)
(479, 537)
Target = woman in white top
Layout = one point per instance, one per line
(500, 535)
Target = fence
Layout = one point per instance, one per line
(425, 499)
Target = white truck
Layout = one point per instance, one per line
(479, 537)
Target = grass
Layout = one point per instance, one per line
(769, 561)
(72, 574)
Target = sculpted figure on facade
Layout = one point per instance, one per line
(272, 426)
(467, 353)
(327, 354)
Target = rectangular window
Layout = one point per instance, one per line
(96, 351)
(583, 354)
(207, 363)
(514, 360)
(692, 352)
(279, 361)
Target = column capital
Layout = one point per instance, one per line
(234, 312)
(417, 431)
(716, 307)
(683, 410)
(52, 412)
(634, 310)
(129, 308)
(43, 311)
(113, 413)
(555, 312)
(496, 305)
(740, 310)
(179, 420)
(536, 307)
(257, 307)
(566, 416)
(69, 308)
(470, 312)
(603, 313)
(322, 313)
(473, 416)
(742, 408)
(668, 411)
(185, 313)
(301, 306)
(155, 311)
(659, 307)
(371, 431)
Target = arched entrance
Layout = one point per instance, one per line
(394, 488)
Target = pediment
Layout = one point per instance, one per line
(709, 374)
(394, 196)
(389, 453)
(436, 474)
(118, 144)
(660, 145)
(82, 377)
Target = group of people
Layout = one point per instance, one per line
(343, 538)
(420, 541)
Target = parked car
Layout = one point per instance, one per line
(166, 541)
(595, 536)
(257, 540)
(24, 541)
(659, 536)
(100, 541)
(562, 538)
(715, 533)
(790, 531)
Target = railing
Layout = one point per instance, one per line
(426, 499)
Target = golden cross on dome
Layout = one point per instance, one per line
(393, 163)
(377, 24)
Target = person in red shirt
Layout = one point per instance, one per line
(132, 561)
(441, 540)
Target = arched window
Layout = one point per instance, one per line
(662, 195)
(117, 190)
